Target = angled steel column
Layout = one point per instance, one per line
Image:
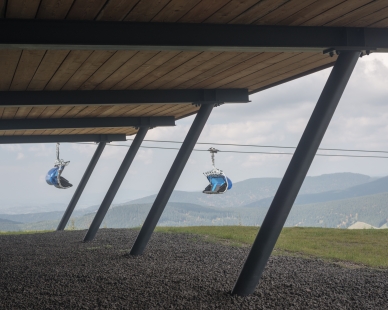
(295, 174)
(171, 179)
(120, 175)
(81, 186)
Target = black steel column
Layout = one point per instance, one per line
(81, 186)
(295, 174)
(120, 175)
(171, 179)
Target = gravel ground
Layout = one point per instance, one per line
(57, 271)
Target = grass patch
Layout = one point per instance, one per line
(26, 232)
(365, 246)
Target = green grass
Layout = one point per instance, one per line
(26, 232)
(366, 246)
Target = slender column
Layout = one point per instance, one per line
(81, 186)
(171, 179)
(295, 174)
(120, 175)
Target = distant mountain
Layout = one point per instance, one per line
(372, 209)
(370, 188)
(8, 225)
(175, 214)
(251, 190)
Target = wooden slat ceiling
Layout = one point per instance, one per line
(42, 70)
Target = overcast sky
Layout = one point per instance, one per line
(276, 116)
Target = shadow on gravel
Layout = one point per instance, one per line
(57, 271)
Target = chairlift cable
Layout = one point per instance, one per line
(266, 146)
(244, 152)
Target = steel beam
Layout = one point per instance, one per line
(116, 97)
(95, 122)
(120, 175)
(92, 35)
(61, 138)
(81, 186)
(295, 174)
(171, 179)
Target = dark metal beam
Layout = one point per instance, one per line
(61, 138)
(96, 122)
(120, 175)
(171, 179)
(295, 174)
(71, 34)
(81, 186)
(109, 97)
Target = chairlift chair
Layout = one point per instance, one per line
(219, 183)
(54, 177)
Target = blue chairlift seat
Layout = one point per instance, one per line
(219, 183)
(53, 176)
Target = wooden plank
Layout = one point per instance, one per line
(23, 112)
(276, 69)
(366, 10)
(85, 9)
(144, 12)
(98, 111)
(172, 110)
(70, 65)
(35, 112)
(54, 9)
(291, 73)
(174, 10)
(116, 10)
(245, 68)
(182, 69)
(230, 11)
(137, 109)
(9, 60)
(74, 111)
(22, 8)
(380, 24)
(47, 68)
(28, 63)
(125, 111)
(217, 69)
(202, 11)
(9, 113)
(286, 10)
(155, 109)
(48, 112)
(370, 19)
(115, 111)
(164, 69)
(335, 12)
(62, 110)
(202, 68)
(310, 12)
(261, 9)
(131, 65)
(1, 112)
(149, 66)
(110, 66)
(94, 61)
(86, 111)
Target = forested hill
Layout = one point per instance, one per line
(251, 190)
(366, 189)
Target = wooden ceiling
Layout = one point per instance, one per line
(47, 70)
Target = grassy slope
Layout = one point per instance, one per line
(368, 247)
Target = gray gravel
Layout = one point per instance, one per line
(57, 271)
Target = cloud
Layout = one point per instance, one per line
(20, 156)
